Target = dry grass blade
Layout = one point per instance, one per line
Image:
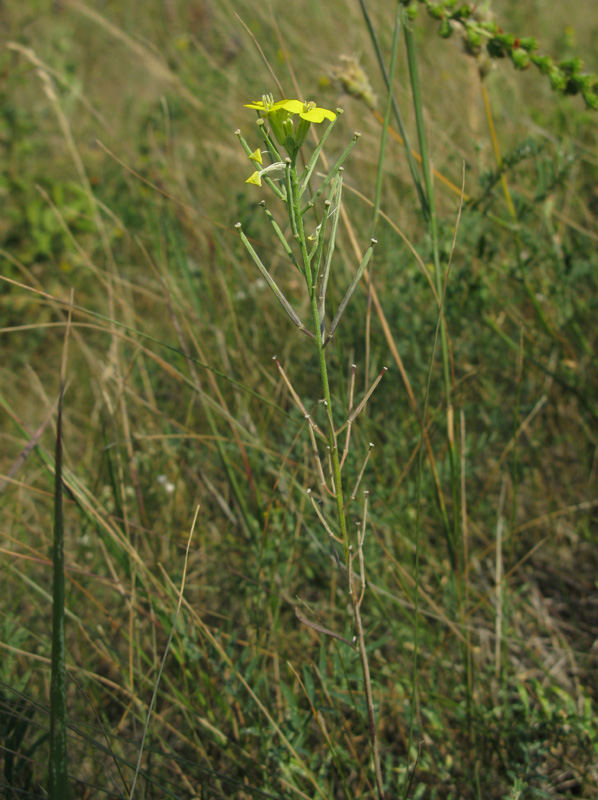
(164, 657)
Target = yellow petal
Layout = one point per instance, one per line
(255, 179)
(317, 115)
(256, 156)
(306, 111)
(292, 106)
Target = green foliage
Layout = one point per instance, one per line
(540, 731)
(173, 401)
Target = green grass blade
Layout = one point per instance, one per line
(58, 777)
(452, 532)
(58, 766)
(410, 160)
(384, 136)
(351, 290)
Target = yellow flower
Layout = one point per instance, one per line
(256, 179)
(280, 116)
(275, 171)
(306, 110)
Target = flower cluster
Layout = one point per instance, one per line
(310, 253)
(290, 136)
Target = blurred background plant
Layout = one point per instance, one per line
(122, 179)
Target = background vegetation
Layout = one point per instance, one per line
(121, 180)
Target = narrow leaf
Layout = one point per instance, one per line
(281, 237)
(272, 284)
(321, 629)
(351, 289)
(58, 773)
(335, 197)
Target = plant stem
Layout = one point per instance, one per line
(369, 698)
(313, 296)
(58, 775)
(311, 281)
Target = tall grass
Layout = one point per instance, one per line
(472, 671)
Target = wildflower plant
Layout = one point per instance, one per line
(284, 127)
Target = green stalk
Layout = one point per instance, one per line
(331, 175)
(387, 80)
(309, 262)
(58, 764)
(380, 174)
(385, 126)
(454, 541)
(313, 297)
(452, 533)
(311, 280)
(58, 776)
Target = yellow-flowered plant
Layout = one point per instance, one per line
(310, 248)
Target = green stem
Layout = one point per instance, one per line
(452, 532)
(58, 776)
(311, 280)
(397, 113)
(386, 125)
(313, 297)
